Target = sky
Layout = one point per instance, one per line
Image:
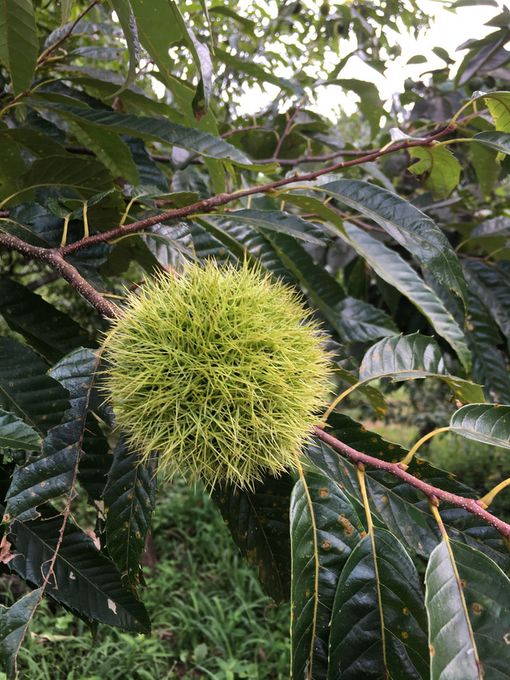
(447, 30)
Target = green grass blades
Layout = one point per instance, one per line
(221, 370)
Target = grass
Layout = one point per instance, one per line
(210, 617)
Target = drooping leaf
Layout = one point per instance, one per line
(410, 357)
(16, 434)
(109, 148)
(279, 222)
(18, 42)
(492, 285)
(452, 643)
(498, 104)
(370, 103)
(158, 129)
(325, 529)
(354, 320)
(440, 167)
(158, 30)
(259, 523)
(499, 141)
(14, 622)
(407, 225)
(128, 23)
(486, 423)
(47, 329)
(399, 274)
(84, 579)
(85, 175)
(486, 592)
(129, 497)
(378, 627)
(55, 472)
(489, 366)
(26, 389)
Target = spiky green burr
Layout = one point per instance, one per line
(221, 370)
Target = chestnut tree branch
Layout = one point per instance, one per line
(470, 504)
(208, 204)
(67, 271)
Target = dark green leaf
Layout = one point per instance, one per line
(486, 423)
(48, 330)
(55, 472)
(16, 434)
(84, 579)
(128, 23)
(454, 653)
(408, 357)
(492, 285)
(129, 498)
(407, 225)
(26, 389)
(14, 622)
(279, 222)
(398, 273)
(370, 103)
(378, 627)
(259, 523)
(324, 530)
(18, 42)
(499, 141)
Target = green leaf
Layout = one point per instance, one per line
(84, 580)
(452, 643)
(129, 498)
(499, 141)
(160, 130)
(12, 166)
(87, 176)
(410, 357)
(498, 104)
(55, 472)
(14, 622)
(354, 320)
(399, 274)
(489, 365)
(279, 222)
(128, 23)
(492, 285)
(18, 42)
(486, 592)
(51, 332)
(411, 228)
(378, 627)
(252, 68)
(37, 142)
(158, 30)
(370, 105)
(486, 167)
(259, 523)
(485, 423)
(16, 434)
(325, 529)
(109, 148)
(26, 389)
(439, 166)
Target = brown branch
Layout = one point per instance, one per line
(208, 204)
(54, 258)
(469, 504)
(286, 131)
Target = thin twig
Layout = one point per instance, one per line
(469, 504)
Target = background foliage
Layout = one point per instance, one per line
(126, 151)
